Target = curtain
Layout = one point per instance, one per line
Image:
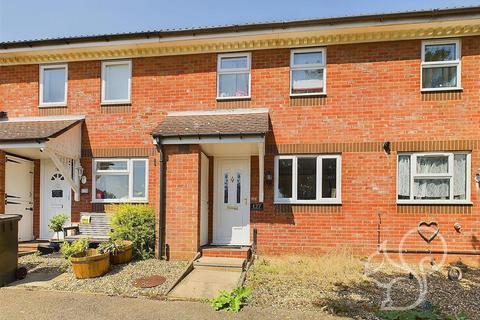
(459, 176)
(403, 180)
(432, 189)
(429, 164)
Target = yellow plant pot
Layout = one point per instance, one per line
(124, 255)
(90, 264)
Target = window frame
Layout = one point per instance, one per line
(107, 63)
(122, 172)
(248, 70)
(450, 175)
(432, 64)
(41, 69)
(322, 66)
(319, 199)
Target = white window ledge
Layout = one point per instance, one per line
(446, 202)
(234, 98)
(314, 94)
(442, 89)
(53, 105)
(309, 202)
(114, 201)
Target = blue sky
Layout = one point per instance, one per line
(32, 19)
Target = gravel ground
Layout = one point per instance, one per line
(359, 296)
(118, 281)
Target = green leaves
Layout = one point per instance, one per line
(77, 246)
(57, 222)
(137, 224)
(231, 301)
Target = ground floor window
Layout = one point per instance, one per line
(307, 179)
(120, 180)
(433, 177)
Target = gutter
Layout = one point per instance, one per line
(161, 202)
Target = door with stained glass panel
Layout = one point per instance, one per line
(232, 199)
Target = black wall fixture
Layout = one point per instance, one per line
(386, 147)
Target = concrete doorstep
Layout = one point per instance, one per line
(209, 276)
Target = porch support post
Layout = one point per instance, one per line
(75, 185)
(261, 156)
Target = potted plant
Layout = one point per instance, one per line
(56, 225)
(120, 250)
(86, 263)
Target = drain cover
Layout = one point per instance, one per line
(149, 282)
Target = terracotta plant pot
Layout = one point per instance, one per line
(124, 255)
(90, 264)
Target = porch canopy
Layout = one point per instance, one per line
(235, 132)
(55, 138)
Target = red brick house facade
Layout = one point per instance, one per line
(333, 160)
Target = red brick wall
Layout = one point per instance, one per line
(182, 201)
(372, 96)
(2, 182)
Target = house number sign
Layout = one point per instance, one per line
(256, 206)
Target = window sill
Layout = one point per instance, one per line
(337, 202)
(434, 202)
(59, 105)
(115, 103)
(118, 201)
(233, 98)
(303, 95)
(441, 89)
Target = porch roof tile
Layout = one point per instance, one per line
(33, 130)
(210, 124)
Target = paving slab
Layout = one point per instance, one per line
(37, 280)
(201, 284)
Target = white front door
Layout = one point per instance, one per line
(19, 194)
(232, 199)
(55, 197)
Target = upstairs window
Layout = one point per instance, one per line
(53, 85)
(116, 81)
(233, 76)
(120, 180)
(307, 179)
(433, 177)
(441, 65)
(307, 72)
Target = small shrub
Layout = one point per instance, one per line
(231, 301)
(77, 246)
(135, 223)
(57, 222)
(112, 246)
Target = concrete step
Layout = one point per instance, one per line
(219, 264)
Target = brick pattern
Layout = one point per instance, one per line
(112, 109)
(2, 182)
(226, 252)
(233, 104)
(308, 101)
(53, 111)
(373, 96)
(182, 201)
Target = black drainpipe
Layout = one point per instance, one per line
(161, 201)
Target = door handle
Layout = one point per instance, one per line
(29, 209)
(245, 200)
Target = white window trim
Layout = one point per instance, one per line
(319, 200)
(248, 70)
(454, 63)
(413, 161)
(117, 62)
(42, 68)
(129, 171)
(323, 66)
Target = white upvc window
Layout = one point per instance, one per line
(305, 179)
(308, 72)
(441, 65)
(434, 177)
(233, 75)
(116, 81)
(120, 180)
(53, 85)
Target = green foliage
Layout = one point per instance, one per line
(57, 222)
(231, 301)
(77, 246)
(137, 224)
(112, 246)
(416, 314)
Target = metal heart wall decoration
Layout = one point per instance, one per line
(430, 224)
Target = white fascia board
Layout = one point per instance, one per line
(47, 118)
(221, 112)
